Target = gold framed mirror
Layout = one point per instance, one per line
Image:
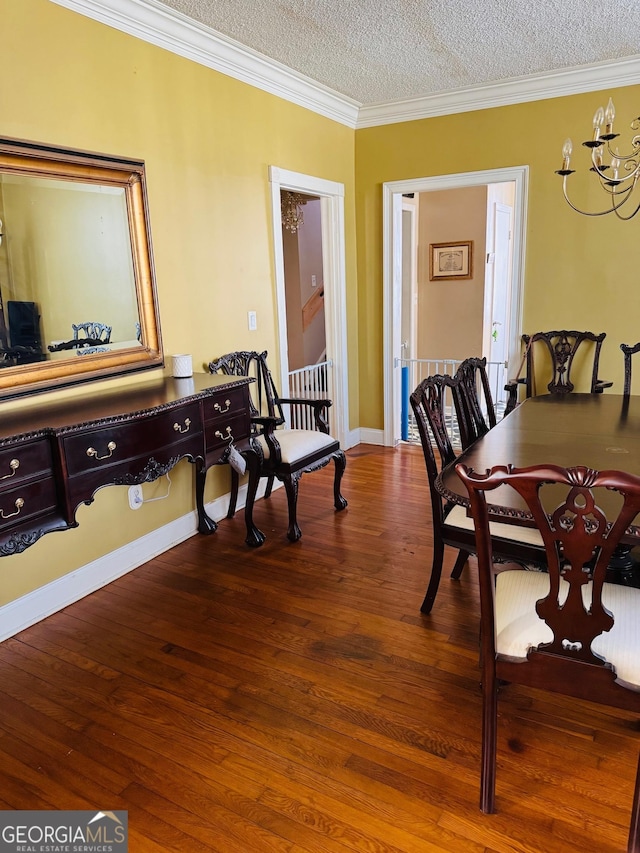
(78, 296)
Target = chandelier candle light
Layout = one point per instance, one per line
(619, 176)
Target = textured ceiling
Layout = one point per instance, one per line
(378, 52)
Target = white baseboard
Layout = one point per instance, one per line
(54, 596)
(370, 436)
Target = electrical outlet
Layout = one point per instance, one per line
(314, 281)
(135, 497)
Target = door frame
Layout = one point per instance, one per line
(331, 196)
(392, 192)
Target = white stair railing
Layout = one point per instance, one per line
(314, 381)
(414, 370)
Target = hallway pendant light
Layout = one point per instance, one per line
(291, 210)
(616, 173)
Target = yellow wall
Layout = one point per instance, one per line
(580, 273)
(207, 141)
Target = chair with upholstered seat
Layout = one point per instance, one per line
(451, 524)
(473, 400)
(285, 453)
(568, 631)
(559, 350)
(628, 351)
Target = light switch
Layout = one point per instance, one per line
(252, 318)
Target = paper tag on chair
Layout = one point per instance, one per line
(236, 460)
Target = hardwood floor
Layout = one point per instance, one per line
(293, 699)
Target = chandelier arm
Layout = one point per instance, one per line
(630, 216)
(586, 212)
(605, 179)
(635, 143)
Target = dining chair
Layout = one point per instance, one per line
(452, 525)
(473, 401)
(285, 453)
(567, 631)
(93, 331)
(559, 350)
(628, 351)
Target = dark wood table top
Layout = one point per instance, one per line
(158, 392)
(601, 431)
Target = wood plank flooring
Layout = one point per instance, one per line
(292, 699)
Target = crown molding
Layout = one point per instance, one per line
(152, 22)
(155, 23)
(518, 90)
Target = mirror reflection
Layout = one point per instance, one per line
(77, 295)
(67, 282)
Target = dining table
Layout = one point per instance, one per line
(598, 431)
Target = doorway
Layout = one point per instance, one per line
(330, 196)
(394, 197)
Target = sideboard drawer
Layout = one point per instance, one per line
(27, 501)
(24, 461)
(225, 431)
(114, 444)
(234, 401)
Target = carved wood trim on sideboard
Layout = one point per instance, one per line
(56, 458)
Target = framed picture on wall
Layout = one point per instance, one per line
(449, 261)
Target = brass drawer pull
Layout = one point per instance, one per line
(187, 426)
(14, 465)
(218, 408)
(228, 437)
(91, 451)
(18, 505)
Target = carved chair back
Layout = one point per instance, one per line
(562, 347)
(264, 398)
(556, 631)
(473, 400)
(92, 330)
(428, 403)
(628, 351)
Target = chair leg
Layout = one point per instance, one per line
(489, 739)
(633, 845)
(291, 487)
(461, 562)
(340, 463)
(436, 571)
(233, 495)
(267, 491)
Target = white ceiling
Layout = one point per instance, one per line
(367, 62)
(375, 52)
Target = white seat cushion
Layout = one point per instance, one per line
(519, 628)
(525, 535)
(295, 444)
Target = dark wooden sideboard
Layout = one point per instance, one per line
(55, 456)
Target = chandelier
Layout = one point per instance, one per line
(291, 210)
(617, 173)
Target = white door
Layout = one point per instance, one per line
(501, 280)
